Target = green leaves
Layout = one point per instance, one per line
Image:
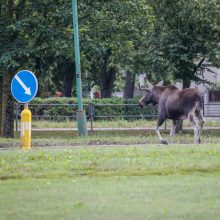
(163, 38)
(185, 32)
(118, 26)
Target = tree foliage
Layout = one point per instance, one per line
(113, 34)
(169, 39)
(186, 34)
(37, 37)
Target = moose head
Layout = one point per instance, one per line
(151, 94)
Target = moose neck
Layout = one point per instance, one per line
(157, 91)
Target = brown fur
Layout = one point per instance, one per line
(175, 104)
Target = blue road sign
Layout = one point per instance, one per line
(24, 86)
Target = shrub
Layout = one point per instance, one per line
(113, 108)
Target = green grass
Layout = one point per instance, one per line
(112, 124)
(131, 137)
(148, 182)
(96, 124)
(108, 161)
(122, 198)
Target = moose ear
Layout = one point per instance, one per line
(160, 83)
(149, 85)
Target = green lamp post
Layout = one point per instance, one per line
(80, 113)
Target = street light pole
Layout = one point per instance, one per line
(80, 113)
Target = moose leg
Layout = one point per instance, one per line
(196, 128)
(201, 122)
(172, 131)
(160, 121)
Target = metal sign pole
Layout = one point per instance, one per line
(24, 88)
(80, 114)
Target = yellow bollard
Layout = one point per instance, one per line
(26, 128)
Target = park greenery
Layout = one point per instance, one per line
(107, 137)
(138, 179)
(148, 182)
(56, 109)
(118, 39)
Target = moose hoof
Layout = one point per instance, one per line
(163, 142)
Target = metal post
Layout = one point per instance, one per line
(91, 116)
(80, 114)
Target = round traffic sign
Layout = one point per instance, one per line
(24, 86)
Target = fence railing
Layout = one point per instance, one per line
(211, 109)
(66, 112)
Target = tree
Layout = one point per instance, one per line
(7, 104)
(186, 34)
(111, 37)
(66, 72)
(129, 85)
(32, 37)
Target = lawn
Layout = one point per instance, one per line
(130, 137)
(113, 124)
(135, 182)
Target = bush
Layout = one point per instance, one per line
(114, 108)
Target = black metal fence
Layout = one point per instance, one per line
(211, 109)
(66, 112)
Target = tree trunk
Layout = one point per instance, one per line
(129, 85)
(66, 71)
(1, 93)
(107, 77)
(7, 101)
(20, 9)
(69, 75)
(0, 8)
(7, 106)
(10, 8)
(186, 83)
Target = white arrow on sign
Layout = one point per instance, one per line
(27, 90)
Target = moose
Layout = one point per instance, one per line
(175, 104)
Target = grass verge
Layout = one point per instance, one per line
(132, 137)
(113, 124)
(99, 161)
(151, 182)
(179, 181)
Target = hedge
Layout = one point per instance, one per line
(111, 108)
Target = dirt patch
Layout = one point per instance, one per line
(89, 143)
(40, 144)
(7, 145)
